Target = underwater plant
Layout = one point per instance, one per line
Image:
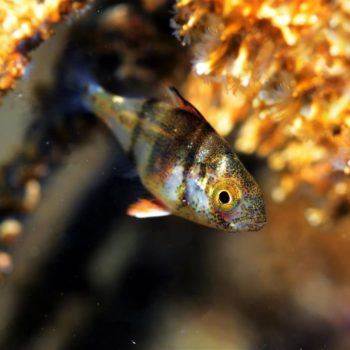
(277, 72)
(61, 124)
(24, 24)
(272, 78)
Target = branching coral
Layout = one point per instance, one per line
(281, 71)
(25, 23)
(61, 125)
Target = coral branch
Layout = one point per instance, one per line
(280, 69)
(24, 24)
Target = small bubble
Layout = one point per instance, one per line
(5, 263)
(278, 194)
(341, 188)
(315, 216)
(10, 229)
(133, 342)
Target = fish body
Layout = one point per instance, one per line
(189, 169)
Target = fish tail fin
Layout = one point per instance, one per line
(87, 86)
(83, 93)
(76, 81)
(90, 89)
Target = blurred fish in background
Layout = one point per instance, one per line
(86, 276)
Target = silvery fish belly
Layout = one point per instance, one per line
(187, 167)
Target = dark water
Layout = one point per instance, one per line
(88, 277)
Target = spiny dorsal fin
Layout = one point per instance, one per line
(147, 208)
(182, 103)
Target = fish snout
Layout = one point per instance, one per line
(251, 215)
(247, 226)
(255, 212)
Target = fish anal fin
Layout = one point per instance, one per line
(182, 103)
(147, 208)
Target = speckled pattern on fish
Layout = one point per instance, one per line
(189, 169)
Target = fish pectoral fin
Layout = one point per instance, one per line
(147, 208)
(182, 103)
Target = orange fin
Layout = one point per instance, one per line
(146, 208)
(182, 103)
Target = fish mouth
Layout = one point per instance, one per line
(256, 226)
(247, 226)
(251, 216)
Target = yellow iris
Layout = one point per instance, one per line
(226, 195)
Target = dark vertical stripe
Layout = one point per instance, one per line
(197, 140)
(146, 107)
(165, 152)
(202, 170)
(165, 149)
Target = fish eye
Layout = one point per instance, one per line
(226, 196)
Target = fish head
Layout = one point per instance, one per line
(222, 194)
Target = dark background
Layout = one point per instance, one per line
(89, 277)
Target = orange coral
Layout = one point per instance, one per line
(280, 69)
(22, 20)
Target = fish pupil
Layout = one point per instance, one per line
(224, 197)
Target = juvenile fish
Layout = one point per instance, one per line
(187, 167)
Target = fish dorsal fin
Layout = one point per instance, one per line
(147, 208)
(182, 103)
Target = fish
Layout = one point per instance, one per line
(188, 169)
